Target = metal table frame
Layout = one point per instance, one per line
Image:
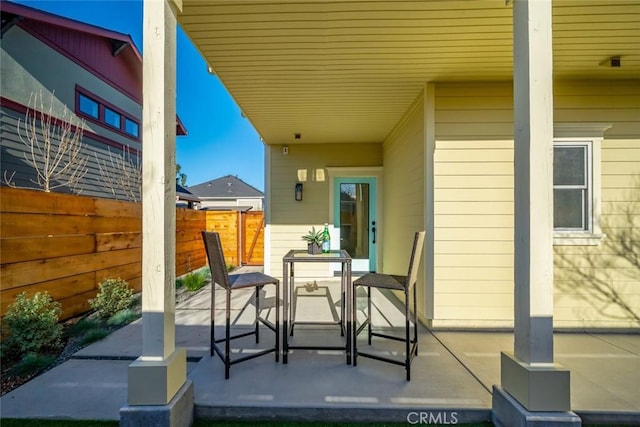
(288, 283)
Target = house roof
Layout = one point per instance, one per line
(184, 194)
(225, 187)
(122, 46)
(340, 71)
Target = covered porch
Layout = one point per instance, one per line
(354, 87)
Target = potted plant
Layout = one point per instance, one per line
(314, 241)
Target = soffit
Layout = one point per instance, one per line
(346, 71)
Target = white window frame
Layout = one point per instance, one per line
(591, 136)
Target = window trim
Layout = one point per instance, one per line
(102, 104)
(79, 97)
(586, 217)
(590, 135)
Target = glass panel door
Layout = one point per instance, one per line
(354, 217)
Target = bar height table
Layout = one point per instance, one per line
(288, 267)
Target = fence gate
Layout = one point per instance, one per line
(253, 238)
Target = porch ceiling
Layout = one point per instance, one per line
(346, 71)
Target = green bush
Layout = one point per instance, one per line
(114, 295)
(32, 323)
(194, 281)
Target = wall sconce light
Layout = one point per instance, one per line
(298, 192)
(613, 62)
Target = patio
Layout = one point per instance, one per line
(452, 379)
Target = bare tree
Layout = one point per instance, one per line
(122, 174)
(55, 145)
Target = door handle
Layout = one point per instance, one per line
(373, 230)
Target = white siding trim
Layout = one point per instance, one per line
(593, 135)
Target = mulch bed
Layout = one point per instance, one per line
(69, 347)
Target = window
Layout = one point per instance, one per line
(112, 118)
(576, 183)
(88, 106)
(571, 187)
(97, 110)
(131, 127)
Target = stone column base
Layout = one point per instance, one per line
(536, 387)
(179, 412)
(508, 412)
(156, 382)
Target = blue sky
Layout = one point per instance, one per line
(219, 141)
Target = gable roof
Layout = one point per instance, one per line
(226, 187)
(101, 52)
(184, 194)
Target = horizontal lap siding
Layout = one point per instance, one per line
(600, 286)
(22, 56)
(102, 161)
(473, 195)
(404, 193)
(289, 220)
(474, 207)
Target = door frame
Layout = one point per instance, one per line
(359, 172)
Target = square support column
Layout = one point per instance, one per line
(158, 378)
(530, 375)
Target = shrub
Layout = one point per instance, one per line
(81, 327)
(114, 295)
(194, 281)
(31, 364)
(33, 324)
(93, 335)
(123, 317)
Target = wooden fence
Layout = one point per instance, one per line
(67, 244)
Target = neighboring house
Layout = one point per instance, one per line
(228, 192)
(94, 72)
(408, 110)
(185, 198)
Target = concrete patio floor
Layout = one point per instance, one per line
(451, 381)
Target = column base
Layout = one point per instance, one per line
(536, 387)
(156, 382)
(508, 412)
(179, 412)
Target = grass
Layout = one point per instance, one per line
(81, 327)
(123, 317)
(31, 364)
(194, 280)
(94, 335)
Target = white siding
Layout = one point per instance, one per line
(474, 208)
(288, 220)
(404, 210)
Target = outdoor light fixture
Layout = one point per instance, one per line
(298, 192)
(613, 62)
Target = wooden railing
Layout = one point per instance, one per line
(67, 244)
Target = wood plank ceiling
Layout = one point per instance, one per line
(346, 71)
